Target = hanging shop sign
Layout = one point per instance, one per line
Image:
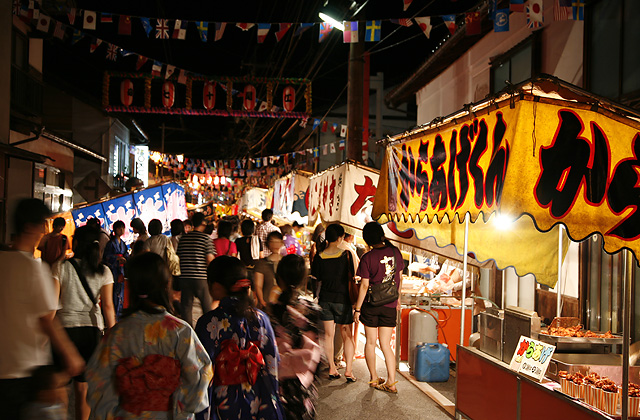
(197, 95)
(532, 357)
(290, 197)
(554, 160)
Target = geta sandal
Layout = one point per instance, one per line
(376, 382)
(350, 378)
(387, 387)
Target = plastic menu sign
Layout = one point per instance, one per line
(532, 357)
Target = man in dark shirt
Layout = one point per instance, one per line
(196, 251)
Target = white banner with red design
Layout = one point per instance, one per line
(290, 197)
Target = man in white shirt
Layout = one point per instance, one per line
(28, 304)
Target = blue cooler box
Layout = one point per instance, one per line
(432, 363)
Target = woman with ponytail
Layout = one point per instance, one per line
(298, 328)
(149, 343)
(241, 344)
(85, 286)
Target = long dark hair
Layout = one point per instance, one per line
(226, 271)
(318, 238)
(86, 247)
(333, 233)
(149, 278)
(291, 272)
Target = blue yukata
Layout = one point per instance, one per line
(112, 250)
(259, 401)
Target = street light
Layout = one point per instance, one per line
(333, 22)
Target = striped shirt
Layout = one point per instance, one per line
(192, 250)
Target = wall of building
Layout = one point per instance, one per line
(468, 79)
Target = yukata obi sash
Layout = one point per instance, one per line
(235, 366)
(147, 386)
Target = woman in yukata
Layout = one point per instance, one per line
(150, 365)
(115, 256)
(240, 342)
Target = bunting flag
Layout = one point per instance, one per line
(89, 21)
(450, 23)
(180, 29)
(43, 23)
(156, 70)
(492, 9)
(245, 26)
(535, 16)
(284, 27)
(578, 9)
(325, 29)
(146, 24)
(316, 152)
(141, 62)
(203, 28)
(76, 36)
(263, 31)
(373, 30)
(342, 142)
(325, 149)
(517, 5)
(303, 27)
(72, 16)
(220, 27)
(350, 34)
(316, 123)
(425, 24)
(106, 18)
(343, 131)
(95, 43)
(124, 25)
(34, 7)
(406, 4)
(332, 147)
(334, 127)
(169, 71)
(501, 20)
(473, 23)
(263, 106)
(402, 22)
(562, 10)
(325, 124)
(162, 29)
(182, 77)
(112, 52)
(60, 30)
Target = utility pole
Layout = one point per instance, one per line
(354, 97)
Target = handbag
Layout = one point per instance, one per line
(386, 292)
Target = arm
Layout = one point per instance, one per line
(63, 346)
(43, 243)
(197, 373)
(364, 286)
(106, 299)
(258, 282)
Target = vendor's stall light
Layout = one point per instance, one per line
(155, 157)
(209, 180)
(333, 22)
(223, 180)
(503, 221)
(216, 180)
(180, 158)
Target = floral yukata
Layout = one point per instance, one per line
(149, 366)
(297, 329)
(244, 401)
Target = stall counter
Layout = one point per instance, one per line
(486, 389)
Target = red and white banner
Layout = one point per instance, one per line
(290, 197)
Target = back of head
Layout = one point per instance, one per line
(373, 234)
(247, 227)
(197, 220)
(177, 227)
(94, 222)
(224, 229)
(286, 230)
(59, 222)
(29, 211)
(138, 225)
(231, 274)
(86, 247)
(149, 278)
(267, 214)
(155, 227)
(275, 235)
(292, 270)
(334, 232)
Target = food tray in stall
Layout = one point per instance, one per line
(558, 339)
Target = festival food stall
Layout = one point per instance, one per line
(541, 151)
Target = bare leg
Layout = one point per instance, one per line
(370, 351)
(389, 357)
(349, 347)
(329, 330)
(82, 408)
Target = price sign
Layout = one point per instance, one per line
(532, 357)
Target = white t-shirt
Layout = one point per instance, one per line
(26, 294)
(76, 309)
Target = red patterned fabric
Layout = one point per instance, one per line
(147, 386)
(234, 366)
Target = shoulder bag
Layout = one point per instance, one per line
(386, 292)
(354, 287)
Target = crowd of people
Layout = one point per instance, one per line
(118, 320)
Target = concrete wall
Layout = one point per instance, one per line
(468, 79)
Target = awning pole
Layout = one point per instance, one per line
(626, 330)
(559, 285)
(464, 276)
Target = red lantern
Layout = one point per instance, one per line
(288, 98)
(249, 98)
(168, 94)
(126, 92)
(209, 95)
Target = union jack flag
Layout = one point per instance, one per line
(162, 29)
(112, 52)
